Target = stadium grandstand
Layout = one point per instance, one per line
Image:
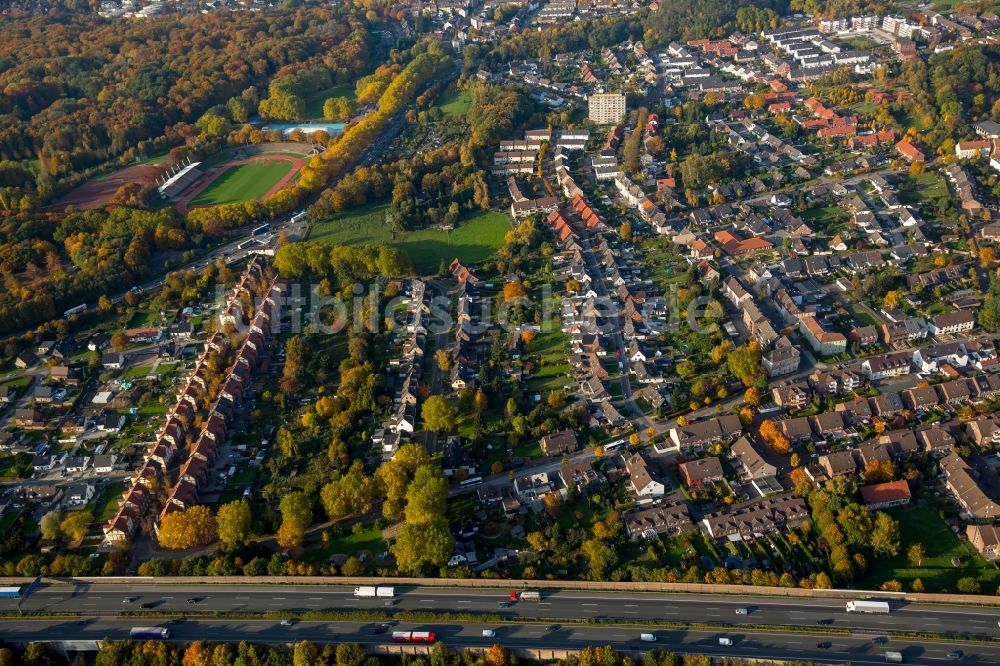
(179, 181)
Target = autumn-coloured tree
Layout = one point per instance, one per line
(192, 527)
(513, 290)
(296, 517)
(879, 471)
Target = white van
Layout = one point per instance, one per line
(647, 638)
(489, 633)
(742, 611)
(725, 641)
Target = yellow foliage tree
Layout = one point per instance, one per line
(187, 529)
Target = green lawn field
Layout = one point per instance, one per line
(474, 239)
(315, 102)
(243, 182)
(455, 103)
(936, 572)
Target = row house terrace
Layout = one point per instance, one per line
(174, 436)
(396, 429)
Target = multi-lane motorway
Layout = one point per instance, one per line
(101, 604)
(836, 649)
(561, 605)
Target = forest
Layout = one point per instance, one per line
(79, 91)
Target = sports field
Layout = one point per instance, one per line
(243, 182)
(455, 103)
(475, 238)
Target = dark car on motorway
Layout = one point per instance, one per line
(824, 645)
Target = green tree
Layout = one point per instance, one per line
(438, 413)
(50, 524)
(353, 566)
(304, 654)
(351, 494)
(296, 517)
(419, 546)
(233, 521)
(75, 525)
(36, 655)
(427, 496)
(744, 363)
(968, 585)
(885, 535)
(350, 654)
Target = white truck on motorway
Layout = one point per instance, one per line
(527, 595)
(894, 657)
(867, 607)
(373, 592)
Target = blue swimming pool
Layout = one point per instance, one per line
(308, 128)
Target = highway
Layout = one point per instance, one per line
(857, 649)
(556, 606)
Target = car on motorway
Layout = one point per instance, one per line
(175, 620)
(194, 600)
(489, 633)
(879, 640)
(824, 622)
(825, 645)
(954, 654)
(503, 604)
(82, 623)
(725, 640)
(552, 627)
(129, 600)
(742, 611)
(287, 623)
(147, 605)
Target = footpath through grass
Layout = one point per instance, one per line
(243, 182)
(475, 238)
